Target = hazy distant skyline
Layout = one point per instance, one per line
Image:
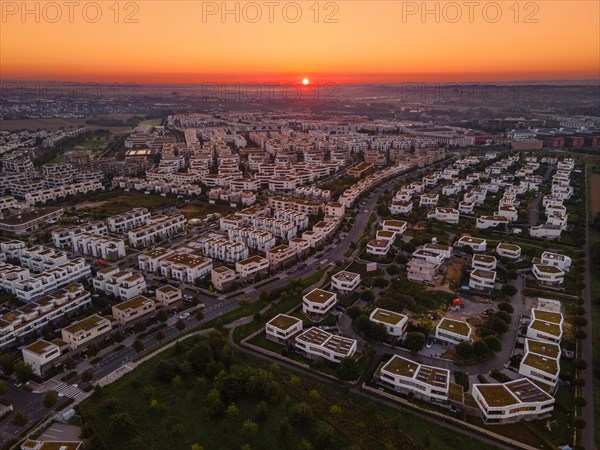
(170, 44)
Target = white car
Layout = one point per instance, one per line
(184, 315)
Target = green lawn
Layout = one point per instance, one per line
(122, 417)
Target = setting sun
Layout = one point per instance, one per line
(305, 81)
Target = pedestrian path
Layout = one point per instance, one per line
(67, 390)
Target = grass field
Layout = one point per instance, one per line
(140, 411)
(117, 201)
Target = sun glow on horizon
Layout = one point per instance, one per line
(305, 81)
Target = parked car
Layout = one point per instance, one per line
(184, 315)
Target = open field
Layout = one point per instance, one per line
(117, 201)
(53, 125)
(168, 403)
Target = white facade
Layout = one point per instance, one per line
(316, 343)
(318, 302)
(395, 323)
(345, 282)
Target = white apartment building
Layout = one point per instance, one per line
(132, 309)
(39, 355)
(395, 323)
(118, 283)
(224, 250)
(129, 220)
(283, 229)
(545, 325)
(317, 303)
(81, 333)
(297, 218)
(52, 279)
(509, 251)
(452, 331)
(13, 249)
(37, 314)
(315, 343)
(548, 275)
(149, 261)
(101, 247)
(441, 249)
(510, 212)
(282, 328)
(482, 280)
(300, 246)
(511, 402)
(168, 296)
(345, 282)
(541, 362)
(159, 227)
(250, 267)
(546, 231)
(39, 258)
(425, 382)
(432, 257)
(260, 240)
(379, 247)
(448, 215)
(63, 237)
(186, 268)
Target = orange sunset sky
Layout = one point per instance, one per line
(369, 43)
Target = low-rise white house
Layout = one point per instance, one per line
(345, 282)
(395, 323)
(421, 271)
(133, 309)
(86, 330)
(442, 249)
(482, 280)
(546, 231)
(448, 215)
(252, 266)
(429, 200)
(452, 331)
(508, 211)
(222, 278)
(39, 355)
(315, 343)
(466, 207)
(282, 327)
(318, 302)
(395, 226)
(556, 259)
(509, 251)
(379, 247)
(545, 325)
(485, 262)
(485, 222)
(548, 275)
(401, 207)
(511, 402)
(184, 267)
(541, 362)
(477, 244)
(425, 382)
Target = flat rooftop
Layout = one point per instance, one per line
(283, 321)
(455, 326)
(133, 303)
(85, 324)
(319, 296)
(386, 316)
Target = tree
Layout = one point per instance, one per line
(262, 410)
(580, 401)
(414, 341)
(180, 325)
(498, 325)
(93, 350)
(50, 399)
(20, 419)
(122, 425)
(199, 315)
(493, 343)
(367, 295)
(87, 375)
(7, 364)
(160, 335)
(347, 369)
(3, 387)
(232, 411)
(162, 316)
(197, 446)
(177, 381)
(464, 350)
(509, 290)
(325, 436)
(506, 307)
(138, 345)
(249, 428)
(23, 372)
(69, 363)
(480, 350)
(264, 296)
